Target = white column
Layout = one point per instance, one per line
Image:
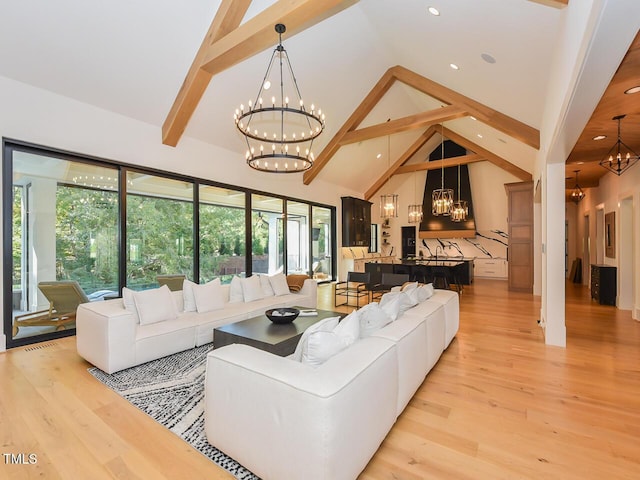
(553, 278)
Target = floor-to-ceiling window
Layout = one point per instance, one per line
(321, 243)
(297, 237)
(71, 219)
(159, 229)
(64, 218)
(222, 233)
(267, 234)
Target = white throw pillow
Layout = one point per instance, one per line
(425, 292)
(396, 303)
(267, 289)
(414, 295)
(372, 318)
(279, 284)
(209, 297)
(235, 291)
(155, 305)
(320, 346)
(408, 301)
(409, 286)
(251, 288)
(129, 304)
(188, 298)
(390, 303)
(325, 325)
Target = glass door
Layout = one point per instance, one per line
(297, 238)
(321, 246)
(64, 241)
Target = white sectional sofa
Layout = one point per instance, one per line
(112, 336)
(287, 420)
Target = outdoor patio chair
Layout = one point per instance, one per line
(174, 282)
(64, 296)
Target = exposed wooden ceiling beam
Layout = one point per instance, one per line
(358, 115)
(509, 126)
(491, 157)
(410, 152)
(552, 3)
(228, 17)
(238, 43)
(456, 105)
(448, 162)
(419, 120)
(257, 34)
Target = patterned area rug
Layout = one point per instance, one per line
(171, 391)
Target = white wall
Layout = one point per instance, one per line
(36, 116)
(596, 35)
(609, 196)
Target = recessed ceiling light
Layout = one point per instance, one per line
(379, 155)
(631, 90)
(454, 66)
(472, 117)
(479, 135)
(434, 11)
(599, 137)
(488, 58)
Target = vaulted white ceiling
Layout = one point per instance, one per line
(131, 57)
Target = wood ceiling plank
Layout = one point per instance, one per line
(227, 18)
(448, 162)
(419, 120)
(491, 157)
(410, 152)
(359, 114)
(587, 152)
(510, 126)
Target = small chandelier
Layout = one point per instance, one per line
(616, 160)
(442, 198)
(389, 202)
(577, 193)
(415, 211)
(279, 133)
(460, 209)
(389, 205)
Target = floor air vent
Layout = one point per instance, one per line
(40, 346)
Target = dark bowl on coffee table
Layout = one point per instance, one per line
(282, 315)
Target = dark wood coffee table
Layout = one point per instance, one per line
(262, 333)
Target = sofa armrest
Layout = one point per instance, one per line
(310, 291)
(254, 400)
(105, 335)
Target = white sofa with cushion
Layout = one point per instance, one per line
(322, 413)
(146, 325)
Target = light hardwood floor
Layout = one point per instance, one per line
(498, 405)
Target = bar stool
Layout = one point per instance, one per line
(419, 274)
(440, 277)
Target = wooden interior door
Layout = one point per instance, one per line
(520, 251)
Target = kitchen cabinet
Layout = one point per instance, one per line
(356, 222)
